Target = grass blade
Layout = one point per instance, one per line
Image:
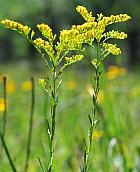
(5, 110)
(7, 153)
(40, 163)
(30, 126)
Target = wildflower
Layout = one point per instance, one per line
(115, 71)
(97, 134)
(43, 84)
(73, 59)
(40, 43)
(85, 14)
(2, 105)
(26, 86)
(119, 18)
(16, 26)
(115, 35)
(69, 40)
(10, 87)
(113, 49)
(45, 30)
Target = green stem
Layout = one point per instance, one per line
(93, 124)
(53, 119)
(5, 107)
(30, 126)
(5, 110)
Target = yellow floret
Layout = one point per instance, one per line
(16, 26)
(86, 15)
(111, 48)
(45, 30)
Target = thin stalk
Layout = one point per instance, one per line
(40, 163)
(7, 153)
(30, 126)
(5, 106)
(53, 118)
(93, 123)
(5, 110)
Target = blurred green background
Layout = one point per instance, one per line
(116, 145)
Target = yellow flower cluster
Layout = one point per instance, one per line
(73, 59)
(115, 34)
(74, 38)
(104, 21)
(40, 43)
(42, 83)
(70, 40)
(45, 30)
(85, 27)
(112, 48)
(85, 14)
(119, 18)
(16, 26)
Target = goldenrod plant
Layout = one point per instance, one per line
(95, 35)
(56, 56)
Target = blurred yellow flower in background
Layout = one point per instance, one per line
(10, 87)
(115, 71)
(97, 134)
(71, 85)
(100, 97)
(26, 85)
(2, 105)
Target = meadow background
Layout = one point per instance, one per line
(117, 138)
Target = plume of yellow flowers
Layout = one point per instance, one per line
(40, 43)
(45, 30)
(25, 30)
(95, 29)
(115, 34)
(74, 58)
(69, 40)
(111, 48)
(85, 14)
